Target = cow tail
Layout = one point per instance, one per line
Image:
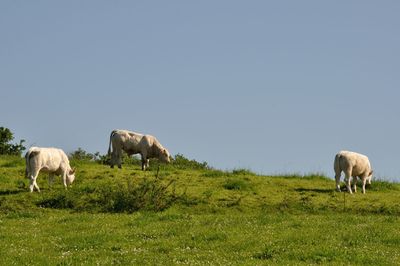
(28, 156)
(337, 165)
(109, 145)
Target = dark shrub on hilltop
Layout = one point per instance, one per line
(182, 162)
(6, 136)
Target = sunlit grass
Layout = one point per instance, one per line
(207, 216)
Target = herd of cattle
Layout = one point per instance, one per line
(55, 162)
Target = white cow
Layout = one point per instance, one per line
(50, 160)
(135, 143)
(353, 165)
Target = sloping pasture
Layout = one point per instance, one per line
(195, 216)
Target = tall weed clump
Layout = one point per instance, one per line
(153, 195)
(122, 197)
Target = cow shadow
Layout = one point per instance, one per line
(315, 190)
(8, 192)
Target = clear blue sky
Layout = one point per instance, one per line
(273, 86)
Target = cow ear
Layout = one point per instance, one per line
(370, 173)
(72, 171)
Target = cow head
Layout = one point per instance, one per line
(164, 156)
(71, 176)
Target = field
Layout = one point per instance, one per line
(189, 214)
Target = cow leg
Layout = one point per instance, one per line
(355, 184)
(348, 183)
(144, 162)
(64, 179)
(364, 181)
(115, 159)
(36, 186)
(33, 184)
(112, 159)
(337, 178)
(119, 160)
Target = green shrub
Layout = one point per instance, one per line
(81, 155)
(6, 136)
(130, 197)
(181, 162)
(148, 194)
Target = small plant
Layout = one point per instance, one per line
(267, 254)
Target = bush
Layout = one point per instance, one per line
(6, 136)
(181, 162)
(146, 195)
(149, 195)
(82, 155)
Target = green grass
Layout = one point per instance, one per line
(193, 216)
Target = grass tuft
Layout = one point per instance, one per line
(236, 184)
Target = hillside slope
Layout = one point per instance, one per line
(193, 215)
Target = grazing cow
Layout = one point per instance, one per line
(134, 143)
(353, 165)
(50, 160)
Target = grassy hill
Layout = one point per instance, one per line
(188, 214)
